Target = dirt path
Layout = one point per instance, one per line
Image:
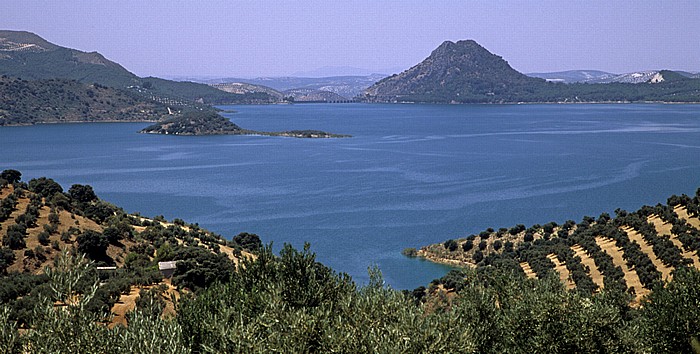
(528, 271)
(588, 261)
(564, 274)
(664, 228)
(631, 277)
(635, 236)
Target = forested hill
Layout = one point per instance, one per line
(57, 101)
(26, 55)
(465, 72)
(630, 251)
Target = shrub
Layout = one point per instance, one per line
(450, 245)
(45, 187)
(248, 241)
(93, 244)
(497, 245)
(43, 238)
(468, 245)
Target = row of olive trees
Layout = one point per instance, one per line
(291, 303)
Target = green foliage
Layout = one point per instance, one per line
(468, 245)
(7, 257)
(93, 245)
(198, 268)
(11, 176)
(250, 242)
(99, 211)
(14, 237)
(43, 238)
(671, 314)
(195, 123)
(293, 304)
(450, 245)
(82, 193)
(10, 340)
(497, 245)
(45, 187)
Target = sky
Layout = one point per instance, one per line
(229, 38)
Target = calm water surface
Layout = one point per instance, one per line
(410, 176)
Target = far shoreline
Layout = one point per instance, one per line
(374, 103)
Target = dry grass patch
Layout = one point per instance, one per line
(127, 303)
(631, 278)
(635, 236)
(564, 274)
(664, 228)
(7, 190)
(528, 270)
(232, 255)
(683, 214)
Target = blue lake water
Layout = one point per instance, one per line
(411, 175)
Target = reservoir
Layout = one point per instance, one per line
(411, 175)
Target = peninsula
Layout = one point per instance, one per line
(210, 123)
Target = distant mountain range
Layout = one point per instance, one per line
(602, 77)
(461, 72)
(28, 56)
(344, 87)
(572, 76)
(335, 71)
(465, 72)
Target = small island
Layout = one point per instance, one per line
(197, 123)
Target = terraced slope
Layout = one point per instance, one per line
(40, 224)
(589, 263)
(634, 251)
(631, 278)
(682, 212)
(649, 251)
(564, 274)
(664, 228)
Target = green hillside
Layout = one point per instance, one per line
(56, 100)
(28, 56)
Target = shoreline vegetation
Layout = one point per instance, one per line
(78, 274)
(199, 123)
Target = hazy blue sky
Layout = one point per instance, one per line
(266, 38)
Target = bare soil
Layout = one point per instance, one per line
(588, 261)
(631, 277)
(635, 236)
(664, 229)
(564, 274)
(528, 270)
